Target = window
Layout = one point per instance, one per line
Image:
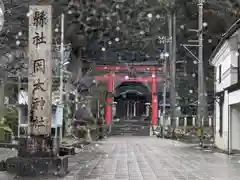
(220, 73)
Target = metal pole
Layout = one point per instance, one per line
(201, 92)
(172, 30)
(61, 60)
(164, 88)
(174, 71)
(61, 70)
(19, 109)
(170, 39)
(170, 55)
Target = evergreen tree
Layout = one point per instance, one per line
(128, 30)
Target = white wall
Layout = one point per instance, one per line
(234, 97)
(235, 127)
(231, 100)
(227, 58)
(222, 141)
(234, 102)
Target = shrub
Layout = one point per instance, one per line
(11, 119)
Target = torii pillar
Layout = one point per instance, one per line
(110, 89)
(154, 100)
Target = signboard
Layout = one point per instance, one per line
(40, 70)
(59, 116)
(199, 132)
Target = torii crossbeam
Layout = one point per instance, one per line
(126, 67)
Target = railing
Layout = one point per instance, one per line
(187, 125)
(187, 121)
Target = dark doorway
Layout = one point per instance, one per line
(130, 106)
(130, 115)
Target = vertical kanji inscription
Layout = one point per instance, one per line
(40, 70)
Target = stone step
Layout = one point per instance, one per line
(133, 131)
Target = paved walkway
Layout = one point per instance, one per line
(149, 158)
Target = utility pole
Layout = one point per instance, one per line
(61, 71)
(202, 111)
(164, 89)
(201, 91)
(18, 98)
(172, 51)
(173, 78)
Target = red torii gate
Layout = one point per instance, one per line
(111, 78)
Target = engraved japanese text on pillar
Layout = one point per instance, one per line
(40, 70)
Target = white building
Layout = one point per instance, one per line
(226, 60)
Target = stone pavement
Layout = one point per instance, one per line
(150, 158)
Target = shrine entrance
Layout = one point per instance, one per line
(131, 100)
(129, 96)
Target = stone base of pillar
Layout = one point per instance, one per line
(152, 129)
(37, 166)
(36, 161)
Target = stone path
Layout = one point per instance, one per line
(150, 158)
(141, 158)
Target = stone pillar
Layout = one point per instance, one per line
(114, 108)
(185, 124)
(177, 121)
(39, 146)
(40, 72)
(169, 120)
(147, 109)
(161, 123)
(134, 109)
(128, 112)
(194, 120)
(210, 121)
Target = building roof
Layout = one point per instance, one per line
(225, 36)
